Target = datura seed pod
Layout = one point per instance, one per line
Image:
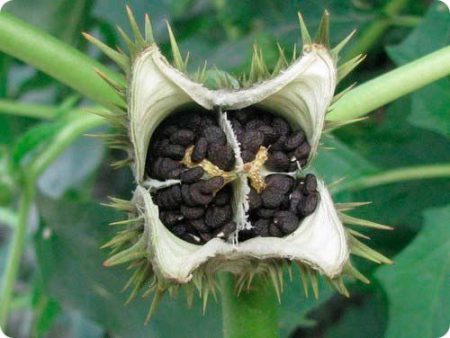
(222, 179)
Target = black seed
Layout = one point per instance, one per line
(302, 151)
(280, 126)
(225, 231)
(281, 182)
(252, 141)
(159, 146)
(169, 198)
(254, 125)
(170, 218)
(286, 221)
(295, 198)
(221, 155)
(254, 200)
(295, 140)
(238, 129)
(199, 225)
(192, 212)
(293, 166)
(222, 197)
(186, 195)
(205, 236)
(272, 197)
(174, 151)
(182, 137)
(242, 116)
(265, 212)
(261, 227)
(192, 175)
(212, 185)
(310, 183)
(247, 156)
(200, 149)
(214, 134)
(217, 216)
(178, 230)
(270, 136)
(163, 166)
(307, 206)
(167, 131)
(279, 144)
(175, 174)
(207, 121)
(277, 161)
(274, 231)
(285, 203)
(197, 196)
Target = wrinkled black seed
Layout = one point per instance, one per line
(192, 175)
(205, 236)
(310, 184)
(265, 212)
(247, 156)
(222, 197)
(175, 173)
(174, 151)
(252, 140)
(226, 230)
(286, 221)
(279, 144)
(197, 196)
(182, 137)
(280, 126)
(163, 166)
(272, 197)
(200, 149)
(274, 231)
(277, 161)
(214, 134)
(199, 225)
(216, 216)
(261, 227)
(293, 166)
(159, 146)
(295, 198)
(186, 195)
(242, 116)
(167, 131)
(281, 182)
(212, 185)
(302, 151)
(254, 200)
(238, 129)
(192, 212)
(254, 124)
(307, 205)
(221, 155)
(270, 135)
(294, 140)
(169, 198)
(170, 218)
(178, 230)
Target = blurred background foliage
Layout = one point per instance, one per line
(63, 291)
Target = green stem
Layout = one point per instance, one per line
(77, 124)
(15, 251)
(391, 86)
(251, 314)
(370, 36)
(56, 59)
(38, 111)
(395, 176)
(8, 217)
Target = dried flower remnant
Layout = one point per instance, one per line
(222, 180)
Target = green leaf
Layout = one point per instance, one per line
(417, 285)
(431, 105)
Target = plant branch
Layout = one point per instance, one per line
(251, 314)
(395, 176)
(38, 111)
(56, 58)
(371, 35)
(391, 86)
(15, 251)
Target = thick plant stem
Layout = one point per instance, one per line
(251, 314)
(395, 176)
(391, 86)
(15, 251)
(56, 58)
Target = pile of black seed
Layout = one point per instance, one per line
(286, 147)
(281, 206)
(200, 208)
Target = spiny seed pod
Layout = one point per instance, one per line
(249, 208)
